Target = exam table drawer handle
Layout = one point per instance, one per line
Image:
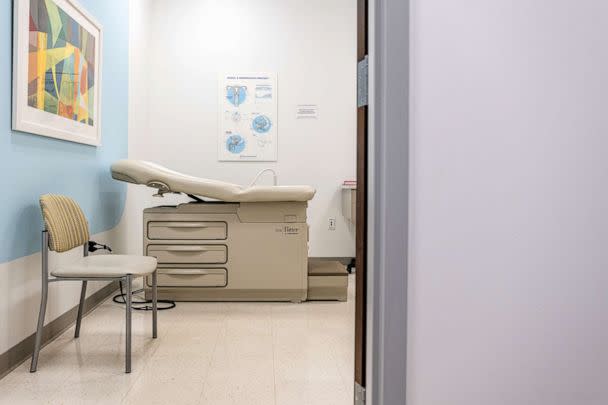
(186, 230)
(178, 225)
(194, 249)
(191, 278)
(204, 254)
(191, 272)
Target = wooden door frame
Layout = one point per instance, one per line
(362, 219)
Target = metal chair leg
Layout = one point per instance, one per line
(43, 300)
(41, 314)
(154, 304)
(129, 285)
(83, 293)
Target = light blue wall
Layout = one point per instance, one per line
(32, 165)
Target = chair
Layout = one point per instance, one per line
(66, 228)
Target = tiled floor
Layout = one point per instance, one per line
(206, 353)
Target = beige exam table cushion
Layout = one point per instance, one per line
(107, 266)
(147, 173)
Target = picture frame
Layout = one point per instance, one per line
(57, 70)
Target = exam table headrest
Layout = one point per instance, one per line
(167, 181)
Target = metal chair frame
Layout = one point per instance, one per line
(128, 279)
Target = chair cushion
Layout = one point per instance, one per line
(64, 221)
(107, 266)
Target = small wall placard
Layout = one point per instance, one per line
(307, 111)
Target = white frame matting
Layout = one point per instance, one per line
(33, 120)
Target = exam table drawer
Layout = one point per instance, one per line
(187, 230)
(176, 277)
(204, 254)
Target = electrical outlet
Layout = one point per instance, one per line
(332, 224)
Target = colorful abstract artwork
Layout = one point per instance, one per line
(61, 64)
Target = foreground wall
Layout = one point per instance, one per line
(508, 277)
(32, 165)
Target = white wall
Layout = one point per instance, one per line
(509, 256)
(184, 45)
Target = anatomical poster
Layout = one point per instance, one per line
(248, 117)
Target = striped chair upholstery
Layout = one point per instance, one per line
(64, 221)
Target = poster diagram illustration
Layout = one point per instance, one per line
(261, 124)
(235, 144)
(248, 114)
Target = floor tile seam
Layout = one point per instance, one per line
(212, 358)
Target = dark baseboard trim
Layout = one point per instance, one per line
(23, 350)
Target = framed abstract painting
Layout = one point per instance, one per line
(57, 70)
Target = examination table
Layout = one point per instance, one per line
(232, 243)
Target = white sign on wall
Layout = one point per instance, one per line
(248, 117)
(307, 111)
